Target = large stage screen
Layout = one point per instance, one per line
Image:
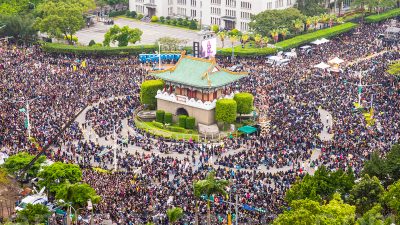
(209, 48)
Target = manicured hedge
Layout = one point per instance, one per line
(182, 121)
(177, 129)
(118, 13)
(148, 92)
(168, 118)
(383, 16)
(244, 102)
(158, 124)
(306, 38)
(226, 110)
(190, 122)
(239, 51)
(95, 50)
(160, 116)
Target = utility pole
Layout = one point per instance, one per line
(27, 120)
(360, 85)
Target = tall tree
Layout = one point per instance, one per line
(78, 194)
(123, 36)
(269, 20)
(366, 193)
(222, 35)
(174, 214)
(210, 186)
(372, 217)
(60, 19)
(20, 27)
(311, 7)
(55, 175)
(392, 199)
(33, 214)
(18, 161)
(311, 212)
(375, 167)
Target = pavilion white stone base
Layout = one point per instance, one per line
(203, 116)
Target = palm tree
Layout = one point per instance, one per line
(275, 34)
(174, 214)
(222, 35)
(308, 22)
(245, 38)
(332, 19)
(324, 18)
(257, 39)
(298, 25)
(233, 39)
(210, 186)
(315, 21)
(283, 31)
(265, 41)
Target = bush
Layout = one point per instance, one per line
(91, 43)
(168, 21)
(158, 124)
(162, 19)
(168, 118)
(244, 102)
(168, 17)
(246, 51)
(97, 45)
(193, 25)
(154, 19)
(97, 50)
(174, 21)
(306, 38)
(234, 32)
(148, 92)
(215, 28)
(190, 123)
(132, 14)
(117, 13)
(177, 129)
(182, 121)
(383, 16)
(226, 110)
(74, 38)
(160, 116)
(185, 23)
(140, 16)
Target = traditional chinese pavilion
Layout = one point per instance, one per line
(193, 86)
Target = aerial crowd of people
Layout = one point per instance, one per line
(156, 173)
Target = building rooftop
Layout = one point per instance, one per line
(197, 72)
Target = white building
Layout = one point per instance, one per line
(227, 14)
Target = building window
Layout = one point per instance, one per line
(193, 13)
(229, 12)
(193, 3)
(230, 3)
(216, 2)
(215, 11)
(245, 5)
(181, 2)
(170, 2)
(245, 15)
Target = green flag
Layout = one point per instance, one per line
(22, 110)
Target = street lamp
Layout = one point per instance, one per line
(159, 55)
(69, 207)
(26, 111)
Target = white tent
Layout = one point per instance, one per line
(322, 65)
(320, 41)
(336, 60)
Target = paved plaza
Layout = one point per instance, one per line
(151, 32)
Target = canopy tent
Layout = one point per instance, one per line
(320, 41)
(336, 60)
(322, 65)
(305, 47)
(247, 129)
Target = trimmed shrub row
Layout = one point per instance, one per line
(182, 121)
(383, 16)
(95, 50)
(168, 118)
(246, 51)
(157, 124)
(148, 92)
(118, 13)
(160, 116)
(177, 129)
(306, 38)
(190, 122)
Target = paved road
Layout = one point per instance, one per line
(327, 122)
(151, 32)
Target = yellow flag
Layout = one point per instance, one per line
(83, 64)
(229, 219)
(74, 68)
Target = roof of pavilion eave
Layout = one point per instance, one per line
(198, 72)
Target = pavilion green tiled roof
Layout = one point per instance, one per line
(200, 73)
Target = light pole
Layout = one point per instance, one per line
(360, 85)
(159, 56)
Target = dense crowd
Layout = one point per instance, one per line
(259, 168)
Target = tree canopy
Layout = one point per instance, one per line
(366, 193)
(174, 214)
(17, 162)
(394, 68)
(123, 36)
(226, 110)
(33, 214)
(20, 27)
(307, 211)
(269, 20)
(311, 7)
(78, 194)
(55, 175)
